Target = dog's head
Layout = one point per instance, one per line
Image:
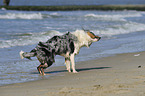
(94, 38)
(85, 37)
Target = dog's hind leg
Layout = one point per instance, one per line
(41, 68)
(67, 62)
(43, 71)
(73, 63)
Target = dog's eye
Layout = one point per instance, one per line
(92, 33)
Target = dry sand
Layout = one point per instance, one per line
(120, 75)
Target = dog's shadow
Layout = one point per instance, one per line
(94, 68)
(79, 70)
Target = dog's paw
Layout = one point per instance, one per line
(43, 74)
(75, 72)
(69, 71)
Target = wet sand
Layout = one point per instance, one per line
(120, 75)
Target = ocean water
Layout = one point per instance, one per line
(71, 2)
(121, 32)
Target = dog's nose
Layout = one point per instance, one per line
(99, 38)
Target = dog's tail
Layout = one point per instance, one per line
(27, 55)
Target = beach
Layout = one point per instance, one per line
(114, 66)
(118, 75)
(121, 32)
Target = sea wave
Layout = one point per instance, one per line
(114, 17)
(121, 29)
(23, 39)
(21, 16)
(28, 39)
(28, 15)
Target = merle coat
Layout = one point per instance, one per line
(67, 45)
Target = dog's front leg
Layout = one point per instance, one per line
(73, 63)
(67, 62)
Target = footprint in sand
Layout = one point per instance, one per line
(139, 77)
(118, 88)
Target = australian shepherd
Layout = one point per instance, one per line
(67, 45)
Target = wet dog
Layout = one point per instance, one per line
(67, 45)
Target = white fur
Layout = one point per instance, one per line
(21, 54)
(67, 62)
(82, 37)
(83, 40)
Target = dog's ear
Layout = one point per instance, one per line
(85, 30)
(92, 35)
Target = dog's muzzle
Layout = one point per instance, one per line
(97, 37)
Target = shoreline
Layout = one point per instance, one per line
(122, 74)
(76, 7)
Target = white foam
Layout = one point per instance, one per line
(55, 14)
(26, 15)
(3, 9)
(114, 17)
(21, 16)
(121, 29)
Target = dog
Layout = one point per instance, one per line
(67, 45)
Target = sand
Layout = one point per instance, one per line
(120, 75)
